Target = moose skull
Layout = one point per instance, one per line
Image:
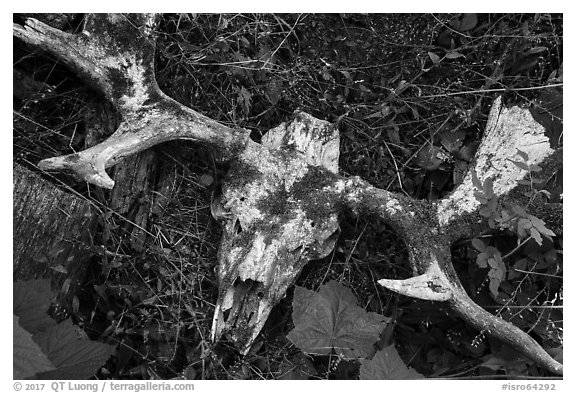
(276, 216)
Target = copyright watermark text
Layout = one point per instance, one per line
(102, 386)
(528, 386)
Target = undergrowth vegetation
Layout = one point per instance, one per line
(410, 95)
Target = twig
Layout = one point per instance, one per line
(459, 93)
(283, 41)
(517, 247)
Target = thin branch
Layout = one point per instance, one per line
(503, 90)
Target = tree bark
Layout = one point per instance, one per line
(51, 229)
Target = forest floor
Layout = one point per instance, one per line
(410, 95)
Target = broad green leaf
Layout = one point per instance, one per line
(453, 55)
(548, 110)
(274, 91)
(498, 257)
(460, 169)
(551, 256)
(494, 285)
(331, 319)
(557, 353)
(520, 264)
(525, 224)
(521, 165)
(536, 235)
(467, 152)
(540, 226)
(522, 154)
(505, 218)
(485, 211)
(205, 180)
(347, 76)
(497, 271)
(431, 157)
(519, 211)
(475, 181)
(536, 222)
(491, 250)
(31, 301)
(489, 188)
(387, 364)
(73, 357)
(28, 358)
(434, 57)
(469, 21)
(480, 197)
(482, 259)
(478, 244)
(491, 222)
(522, 232)
(493, 202)
(505, 358)
(493, 263)
(500, 272)
(452, 140)
(496, 274)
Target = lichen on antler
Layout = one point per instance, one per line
(508, 131)
(114, 54)
(278, 216)
(429, 228)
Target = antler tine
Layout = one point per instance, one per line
(115, 54)
(429, 228)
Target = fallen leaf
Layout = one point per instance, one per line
(387, 364)
(73, 357)
(32, 299)
(331, 319)
(28, 358)
(431, 157)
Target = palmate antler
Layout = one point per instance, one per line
(115, 54)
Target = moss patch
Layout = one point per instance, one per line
(316, 203)
(241, 174)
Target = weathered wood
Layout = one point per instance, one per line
(135, 175)
(131, 198)
(51, 230)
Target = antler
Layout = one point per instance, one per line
(430, 228)
(115, 53)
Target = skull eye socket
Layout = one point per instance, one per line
(237, 227)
